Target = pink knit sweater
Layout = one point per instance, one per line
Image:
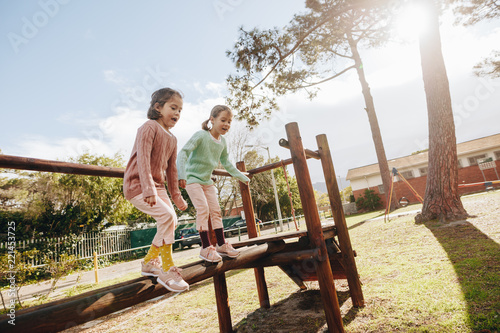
(154, 154)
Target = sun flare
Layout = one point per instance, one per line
(412, 21)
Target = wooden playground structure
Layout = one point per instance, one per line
(321, 253)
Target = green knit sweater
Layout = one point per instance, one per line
(201, 155)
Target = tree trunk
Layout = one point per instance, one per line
(375, 129)
(441, 200)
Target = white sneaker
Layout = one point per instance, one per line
(209, 254)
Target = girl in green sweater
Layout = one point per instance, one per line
(195, 164)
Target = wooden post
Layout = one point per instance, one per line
(96, 268)
(221, 295)
(339, 218)
(223, 310)
(220, 286)
(260, 278)
(315, 232)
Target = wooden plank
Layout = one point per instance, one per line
(329, 230)
(297, 271)
(288, 270)
(222, 172)
(270, 166)
(36, 164)
(315, 233)
(25, 163)
(297, 262)
(76, 310)
(291, 253)
(309, 153)
(203, 271)
(274, 165)
(340, 222)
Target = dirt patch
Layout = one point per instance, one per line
(302, 309)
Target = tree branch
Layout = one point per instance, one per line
(296, 46)
(328, 79)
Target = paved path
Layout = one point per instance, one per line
(32, 291)
(410, 212)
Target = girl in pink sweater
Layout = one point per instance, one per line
(153, 157)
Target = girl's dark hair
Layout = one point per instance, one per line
(161, 97)
(216, 111)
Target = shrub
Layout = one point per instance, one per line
(351, 198)
(370, 201)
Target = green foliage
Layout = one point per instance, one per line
(346, 194)
(16, 270)
(370, 201)
(80, 191)
(190, 210)
(469, 12)
(12, 190)
(322, 199)
(489, 66)
(53, 204)
(316, 46)
(474, 11)
(261, 187)
(22, 223)
(284, 196)
(64, 266)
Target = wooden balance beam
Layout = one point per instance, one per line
(261, 252)
(63, 314)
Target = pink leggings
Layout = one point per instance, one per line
(164, 214)
(204, 199)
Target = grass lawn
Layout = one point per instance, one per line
(430, 277)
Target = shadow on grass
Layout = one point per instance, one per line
(366, 217)
(301, 312)
(359, 224)
(476, 260)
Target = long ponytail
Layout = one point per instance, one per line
(204, 125)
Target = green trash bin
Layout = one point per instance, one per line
(140, 238)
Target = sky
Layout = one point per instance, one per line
(77, 76)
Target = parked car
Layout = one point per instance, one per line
(187, 237)
(239, 226)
